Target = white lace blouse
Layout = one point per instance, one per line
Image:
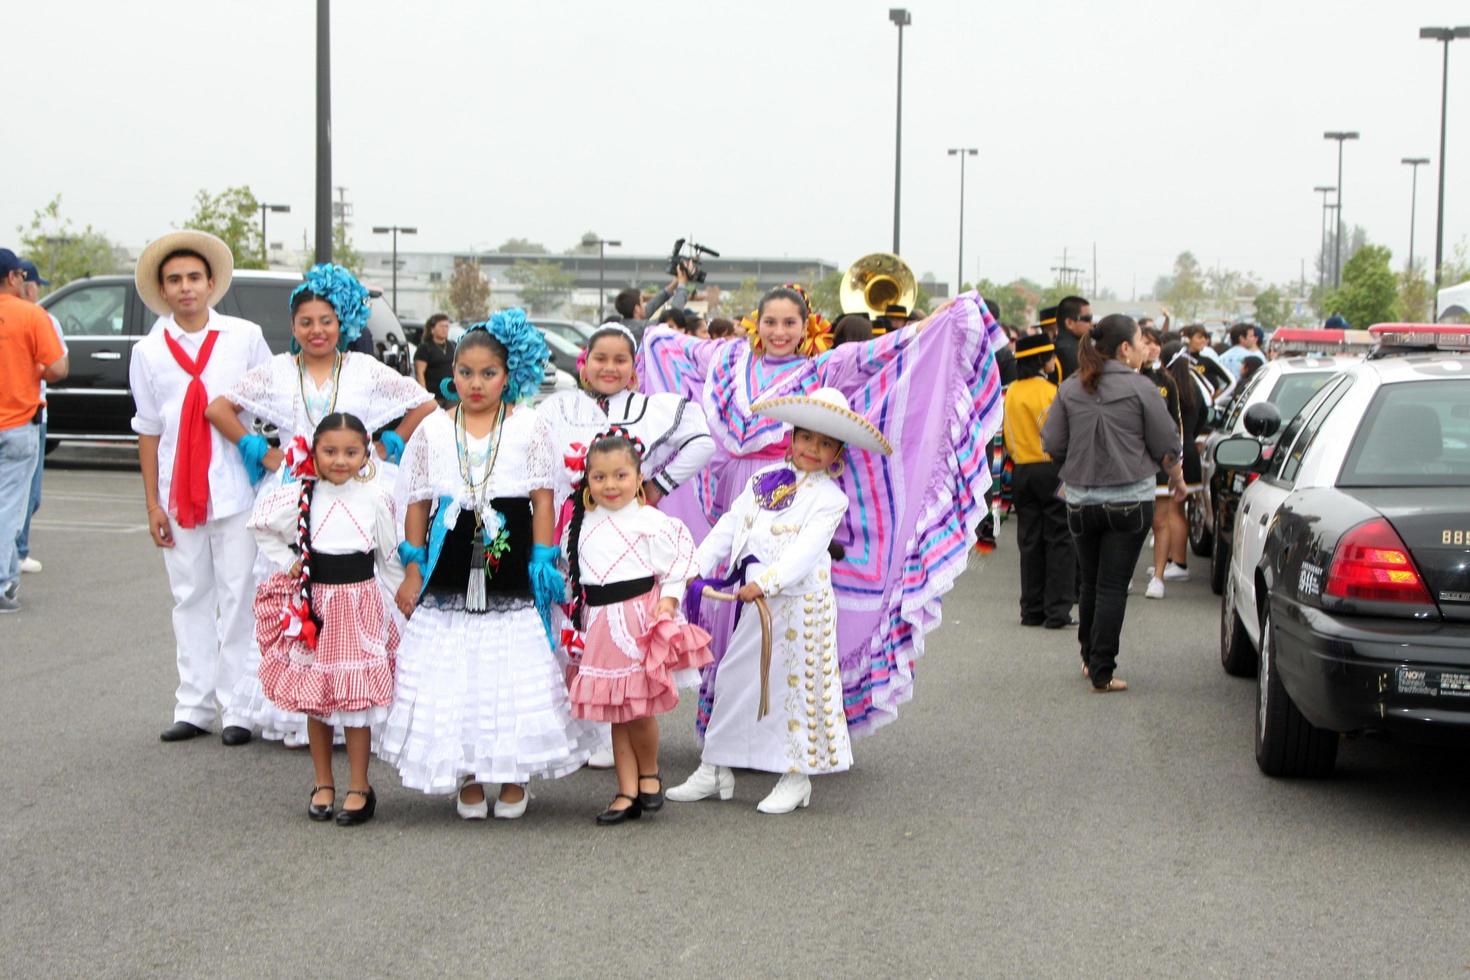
(282, 395)
(676, 439)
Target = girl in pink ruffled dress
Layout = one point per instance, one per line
(628, 566)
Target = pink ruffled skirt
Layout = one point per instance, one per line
(630, 657)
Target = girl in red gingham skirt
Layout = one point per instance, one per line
(327, 636)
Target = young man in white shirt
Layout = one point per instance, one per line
(195, 485)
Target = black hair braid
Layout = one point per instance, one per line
(303, 545)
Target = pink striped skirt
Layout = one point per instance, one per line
(627, 667)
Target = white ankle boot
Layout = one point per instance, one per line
(704, 782)
(792, 790)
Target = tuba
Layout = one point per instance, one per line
(876, 282)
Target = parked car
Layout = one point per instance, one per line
(564, 352)
(102, 317)
(575, 331)
(1287, 383)
(1349, 586)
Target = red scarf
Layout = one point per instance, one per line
(188, 495)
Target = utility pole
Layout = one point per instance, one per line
(901, 18)
(323, 131)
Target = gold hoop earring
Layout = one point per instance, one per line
(838, 468)
(642, 494)
(587, 502)
(370, 466)
(633, 384)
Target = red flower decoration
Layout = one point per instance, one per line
(299, 461)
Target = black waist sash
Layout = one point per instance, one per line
(342, 569)
(615, 592)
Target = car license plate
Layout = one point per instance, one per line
(1434, 683)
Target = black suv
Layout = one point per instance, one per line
(103, 317)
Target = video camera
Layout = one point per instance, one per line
(693, 262)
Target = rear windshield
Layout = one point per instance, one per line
(1415, 434)
(1295, 390)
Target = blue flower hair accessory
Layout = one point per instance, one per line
(526, 349)
(349, 298)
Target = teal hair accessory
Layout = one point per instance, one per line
(525, 348)
(348, 297)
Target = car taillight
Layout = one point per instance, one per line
(1372, 563)
(1251, 477)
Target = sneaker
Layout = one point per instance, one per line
(1155, 588)
(9, 603)
(30, 565)
(1175, 573)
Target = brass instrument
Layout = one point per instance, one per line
(877, 281)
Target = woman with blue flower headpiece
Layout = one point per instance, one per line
(480, 697)
(294, 392)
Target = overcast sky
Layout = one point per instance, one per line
(762, 128)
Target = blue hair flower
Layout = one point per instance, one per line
(349, 298)
(526, 350)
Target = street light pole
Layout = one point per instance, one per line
(265, 248)
(323, 131)
(1416, 163)
(902, 18)
(1444, 35)
(1341, 137)
(961, 152)
(395, 230)
(1322, 251)
(602, 244)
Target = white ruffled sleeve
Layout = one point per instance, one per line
(385, 541)
(390, 395)
(541, 456)
(415, 471)
(273, 523)
(670, 551)
(261, 393)
(688, 443)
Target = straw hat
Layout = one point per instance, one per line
(217, 253)
(826, 411)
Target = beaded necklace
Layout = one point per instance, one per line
(485, 559)
(306, 399)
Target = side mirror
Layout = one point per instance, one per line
(1262, 420)
(1237, 453)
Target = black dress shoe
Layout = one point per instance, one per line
(1060, 624)
(181, 731)
(321, 812)
(351, 818)
(609, 817)
(235, 735)
(652, 802)
(1031, 621)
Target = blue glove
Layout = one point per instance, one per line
(409, 555)
(253, 447)
(547, 585)
(393, 445)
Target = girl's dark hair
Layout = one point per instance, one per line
(1031, 367)
(332, 423)
(616, 440)
(1153, 333)
(486, 339)
(852, 328)
(1100, 345)
(1181, 369)
(783, 292)
(618, 331)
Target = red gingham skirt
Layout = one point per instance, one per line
(351, 668)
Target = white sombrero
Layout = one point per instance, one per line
(217, 253)
(826, 411)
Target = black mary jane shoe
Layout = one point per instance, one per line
(652, 802)
(323, 811)
(235, 735)
(181, 731)
(632, 811)
(351, 818)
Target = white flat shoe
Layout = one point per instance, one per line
(792, 790)
(601, 759)
(702, 783)
(30, 565)
(513, 811)
(471, 811)
(1155, 589)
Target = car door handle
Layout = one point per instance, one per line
(1263, 519)
(106, 355)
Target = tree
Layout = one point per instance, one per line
(61, 252)
(233, 216)
(738, 302)
(543, 285)
(1015, 299)
(1456, 269)
(1416, 296)
(521, 246)
(468, 298)
(343, 253)
(1270, 308)
(826, 295)
(1185, 290)
(1369, 290)
(586, 245)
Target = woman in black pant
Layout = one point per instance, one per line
(1111, 431)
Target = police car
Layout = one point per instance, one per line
(1287, 383)
(1349, 584)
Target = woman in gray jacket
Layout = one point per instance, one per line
(1111, 432)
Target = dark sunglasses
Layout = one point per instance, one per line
(1086, 319)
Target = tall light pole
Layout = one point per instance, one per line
(602, 244)
(902, 18)
(265, 249)
(1322, 251)
(1444, 35)
(1416, 163)
(962, 152)
(395, 230)
(323, 131)
(1341, 137)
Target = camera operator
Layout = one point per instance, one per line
(637, 312)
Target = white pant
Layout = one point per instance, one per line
(210, 574)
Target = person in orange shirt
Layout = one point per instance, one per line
(29, 353)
